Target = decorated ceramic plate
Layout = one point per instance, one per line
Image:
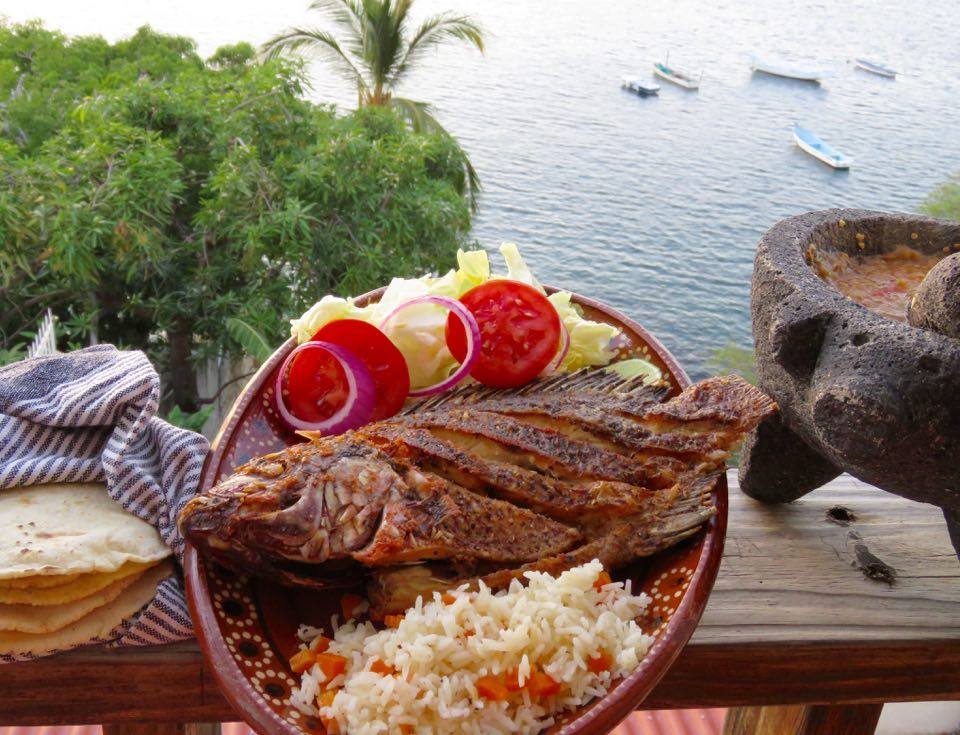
(247, 627)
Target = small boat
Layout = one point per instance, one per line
(680, 78)
(874, 68)
(641, 86)
(812, 144)
(779, 68)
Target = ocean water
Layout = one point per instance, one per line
(654, 205)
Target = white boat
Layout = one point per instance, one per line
(812, 144)
(641, 86)
(681, 78)
(781, 68)
(875, 68)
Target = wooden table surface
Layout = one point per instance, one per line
(793, 619)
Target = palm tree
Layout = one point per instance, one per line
(375, 51)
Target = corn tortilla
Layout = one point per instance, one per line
(56, 530)
(95, 625)
(49, 618)
(38, 582)
(80, 586)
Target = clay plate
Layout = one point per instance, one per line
(247, 627)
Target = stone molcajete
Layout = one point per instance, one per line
(858, 392)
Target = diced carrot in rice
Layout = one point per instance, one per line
(325, 699)
(511, 680)
(491, 687)
(408, 700)
(602, 579)
(303, 660)
(331, 665)
(601, 662)
(542, 684)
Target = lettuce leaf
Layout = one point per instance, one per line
(637, 366)
(419, 331)
(589, 341)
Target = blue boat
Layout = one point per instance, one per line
(875, 68)
(812, 144)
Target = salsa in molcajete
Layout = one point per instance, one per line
(883, 283)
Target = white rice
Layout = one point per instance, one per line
(555, 624)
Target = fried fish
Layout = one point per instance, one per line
(483, 484)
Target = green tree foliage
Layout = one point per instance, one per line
(374, 46)
(732, 358)
(944, 201)
(159, 196)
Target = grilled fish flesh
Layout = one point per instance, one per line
(482, 484)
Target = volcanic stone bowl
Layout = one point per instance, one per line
(858, 392)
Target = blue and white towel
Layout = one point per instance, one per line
(89, 416)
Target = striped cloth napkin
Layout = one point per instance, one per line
(89, 416)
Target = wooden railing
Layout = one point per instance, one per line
(804, 632)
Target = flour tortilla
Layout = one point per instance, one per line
(94, 626)
(76, 588)
(51, 530)
(48, 618)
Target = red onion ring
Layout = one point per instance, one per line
(562, 351)
(473, 340)
(361, 394)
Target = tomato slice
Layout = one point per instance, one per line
(386, 363)
(315, 385)
(519, 332)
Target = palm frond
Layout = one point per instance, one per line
(252, 341)
(421, 120)
(382, 40)
(298, 40)
(434, 31)
(349, 16)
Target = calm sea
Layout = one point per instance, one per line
(654, 205)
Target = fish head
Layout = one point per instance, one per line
(313, 504)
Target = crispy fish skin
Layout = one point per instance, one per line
(314, 502)
(438, 519)
(538, 448)
(666, 519)
(560, 499)
(483, 484)
(346, 500)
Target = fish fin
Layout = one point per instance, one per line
(630, 538)
(597, 381)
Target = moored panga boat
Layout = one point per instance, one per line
(638, 84)
(811, 143)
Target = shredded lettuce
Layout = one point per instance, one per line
(517, 269)
(419, 331)
(637, 366)
(589, 341)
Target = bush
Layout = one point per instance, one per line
(944, 201)
(159, 196)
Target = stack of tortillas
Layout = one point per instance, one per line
(73, 566)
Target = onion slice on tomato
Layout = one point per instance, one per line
(562, 351)
(469, 326)
(361, 396)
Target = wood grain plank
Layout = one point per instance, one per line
(790, 621)
(789, 574)
(810, 673)
(854, 719)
